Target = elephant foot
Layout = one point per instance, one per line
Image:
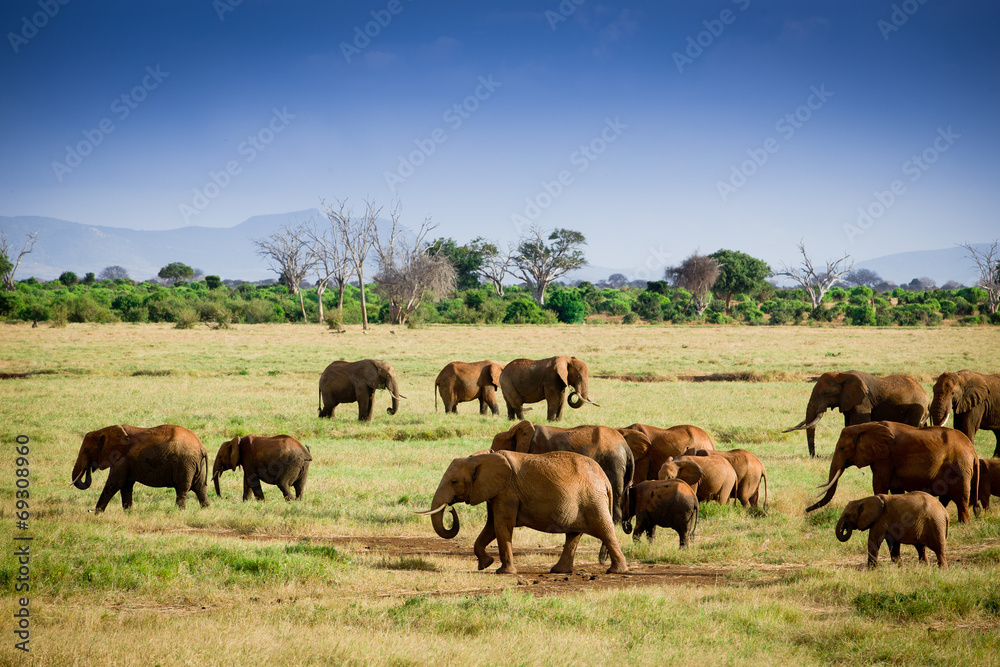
(618, 569)
(561, 569)
(485, 561)
(506, 569)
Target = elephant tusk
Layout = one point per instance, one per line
(798, 426)
(76, 479)
(441, 508)
(399, 397)
(592, 403)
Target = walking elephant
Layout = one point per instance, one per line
(915, 518)
(989, 481)
(281, 460)
(356, 381)
(664, 443)
(531, 381)
(600, 443)
(939, 461)
(459, 382)
(749, 473)
(975, 400)
(558, 492)
(669, 503)
(161, 456)
(711, 477)
(864, 398)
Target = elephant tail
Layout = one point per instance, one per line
(763, 477)
(629, 472)
(319, 400)
(202, 473)
(435, 395)
(974, 486)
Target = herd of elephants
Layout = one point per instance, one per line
(586, 479)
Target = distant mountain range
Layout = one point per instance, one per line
(230, 253)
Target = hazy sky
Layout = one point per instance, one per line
(656, 128)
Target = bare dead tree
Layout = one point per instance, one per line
(817, 283)
(287, 254)
(113, 273)
(8, 266)
(539, 263)
(496, 263)
(697, 274)
(329, 260)
(988, 262)
(357, 234)
(408, 273)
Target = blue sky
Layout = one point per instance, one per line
(655, 128)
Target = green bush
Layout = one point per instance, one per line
(861, 315)
(649, 306)
(568, 305)
(630, 318)
(11, 303)
(68, 278)
(523, 311)
(947, 307)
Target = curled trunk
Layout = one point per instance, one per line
(81, 473)
(844, 529)
(393, 388)
(437, 520)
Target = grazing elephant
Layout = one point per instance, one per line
(864, 398)
(161, 456)
(711, 477)
(937, 460)
(669, 503)
(915, 518)
(558, 492)
(281, 460)
(989, 481)
(749, 473)
(975, 399)
(600, 443)
(459, 382)
(356, 381)
(529, 381)
(664, 443)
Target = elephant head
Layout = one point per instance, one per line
(684, 469)
(859, 446)
(100, 450)
(959, 391)
(845, 391)
(228, 458)
(515, 439)
(490, 376)
(472, 480)
(381, 375)
(859, 515)
(573, 373)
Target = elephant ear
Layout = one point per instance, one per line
(637, 442)
(491, 474)
(522, 434)
(853, 392)
(495, 371)
(369, 376)
(112, 446)
(872, 444)
(234, 452)
(871, 510)
(974, 392)
(561, 368)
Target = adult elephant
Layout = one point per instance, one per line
(558, 492)
(939, 461)
(750, 473)
(459, 382)
(711, 477)
(162, 456)
(356, 381)
(604, 445)
(975, 399)
(864, 398)
(281, 460)
(664, 443)
(531, 381)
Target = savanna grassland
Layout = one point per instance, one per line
(350, 575)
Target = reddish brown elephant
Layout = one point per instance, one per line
(711, 477)
(913, 518)
(526, 381)
(668, 503)
(989, 481)
(459, 382)
(750, 473)
(975, 400)
(281, 460)
(663, 444)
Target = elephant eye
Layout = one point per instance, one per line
(454, 482)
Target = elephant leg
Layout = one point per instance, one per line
(504, 528)
(486, 537)
(181, 493)
(116, 479)
(554, 400)
(246, 487)
(894, 552)
(921, 553)
(875, 538)
(258, 492)
(565, 563)
(365, 405)
(127, 494)
(939, 552)
(483, 408)
(300, 484)
(285, 489)
(996, 450)
(514, 411)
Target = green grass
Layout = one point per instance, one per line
(231, 578)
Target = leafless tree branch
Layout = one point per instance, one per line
(817, 283)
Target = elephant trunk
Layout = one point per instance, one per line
(215, 480)
(830, 487)
(81, 473)
(579, 395)
(393, 388)
(940, 408)
(814, 413)
(844, 529)
(443, 499)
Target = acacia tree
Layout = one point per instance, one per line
(8, 266)
(175, 271)
(357, 234)
(407, 271)
(988, 262)
(697, 274)
(863, 278)
(817, 283)
(539, 263)
(287, 254)
(329, 261)
(496, 263)
(739, 273)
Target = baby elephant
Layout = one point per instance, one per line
(670, 503)
(989, 481)
(281, 460)
(913, 518)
